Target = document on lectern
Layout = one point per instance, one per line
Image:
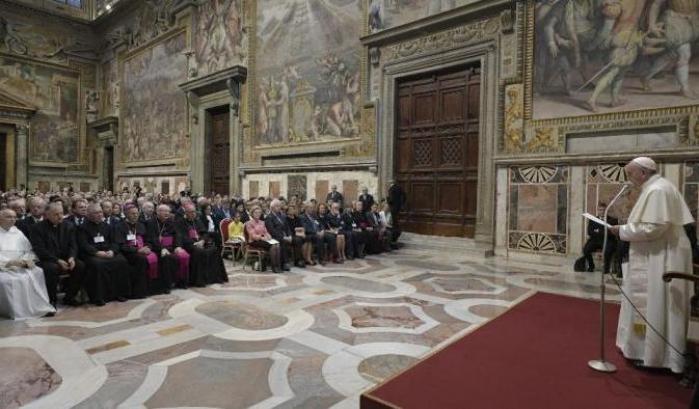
(596, 220)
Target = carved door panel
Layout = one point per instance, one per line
(219, 158)
(436, 151)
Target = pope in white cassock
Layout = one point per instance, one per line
(658, 245)
(22, 286)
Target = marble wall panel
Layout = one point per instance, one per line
(313, 188)
(153, 184)
(274, 188)
(322, 189)
(253, 189)
(538, 206)
(691, 187)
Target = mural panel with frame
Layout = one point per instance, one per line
(599, 66)
(306, 75)
(55, 90)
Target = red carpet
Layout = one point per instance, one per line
(533, 356)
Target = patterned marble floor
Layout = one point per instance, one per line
(311, 338)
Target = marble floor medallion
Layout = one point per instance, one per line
(308, 338)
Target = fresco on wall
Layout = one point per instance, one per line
(152, 105)
(55, 92)
(52, 40)
(110, 89)
(391, 13)
(307, 71)
(219, 36)
(595, 57)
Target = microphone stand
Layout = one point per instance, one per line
(601, 364)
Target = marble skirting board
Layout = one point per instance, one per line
(308, 185)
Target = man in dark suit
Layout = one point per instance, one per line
(107, 271)
(334, 196)
(595, 240)
(54, 243)
(279, 229)
(78, 210)
(366, 199)
(396, 200)
(37, 206)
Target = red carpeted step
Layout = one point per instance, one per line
(533, 356)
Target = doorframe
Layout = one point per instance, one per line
(202, 126)
(10, 159)
(485, 54)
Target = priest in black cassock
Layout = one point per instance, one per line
(55, 244)
(205, 263)
(163, 238)
(130, 236)
(107, 271)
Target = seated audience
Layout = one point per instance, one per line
(164, 239)
(54, 241)
(37, 206)
(22, 287)
(106, 270)
(147, 212)
(335, 223)
(210, 224)
(294, 223)
(235, 230)
(130, 237)
(259, 237)
(315, 235)
(205, 262)
(330, 233)
(279, 229)
(78, 211)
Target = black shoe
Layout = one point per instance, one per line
(122, 299)
(99, 303)
(49, 315)
(301, 264)
(286, 267)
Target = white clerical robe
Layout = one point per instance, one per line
(22, 290)
(658, 245)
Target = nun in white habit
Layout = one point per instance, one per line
(22, 286)
(658, 245)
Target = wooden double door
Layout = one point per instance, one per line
(436, 151)
(218, 156)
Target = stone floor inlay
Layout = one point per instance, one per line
(308, 338)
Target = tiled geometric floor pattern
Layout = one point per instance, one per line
(311, 338)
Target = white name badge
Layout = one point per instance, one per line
(130, 237)
(98, 239)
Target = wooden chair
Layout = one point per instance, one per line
(253, 251)
(235, 248)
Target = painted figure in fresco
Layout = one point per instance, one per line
(282, 104)
(568, 34)
(12, 41)
(671, 35)
(623, 45)
(221, 24)
(262, 112)
(375, 16)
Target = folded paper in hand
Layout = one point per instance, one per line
(272, 241)
(596, 220)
